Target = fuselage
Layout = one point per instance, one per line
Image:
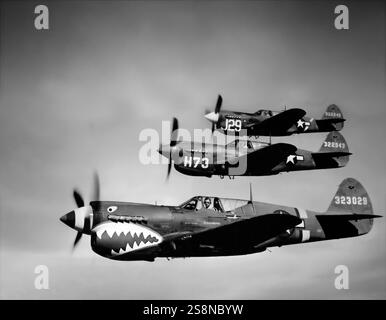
(196, 159)
(151, 226)
(214, 226)
(249, 124)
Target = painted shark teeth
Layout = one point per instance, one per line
(126, 237)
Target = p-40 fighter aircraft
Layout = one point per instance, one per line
(251, 158)
(274, 123)
(212, 226)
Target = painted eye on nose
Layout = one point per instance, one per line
(111, 209)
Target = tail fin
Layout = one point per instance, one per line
(351, 197)
(333, 153)
(332, 112)
(334, 142)
(350, 212)
(332, 119)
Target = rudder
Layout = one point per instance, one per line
(332, 119)
(333, 153)
(334, 142)
(332, 112)
(350, 213)
(351, 197)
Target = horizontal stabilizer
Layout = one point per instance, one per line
(348, 217)
(332, 120)
(332, 159)
(337, 226)
(331, 154)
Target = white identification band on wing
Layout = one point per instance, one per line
(305, 235)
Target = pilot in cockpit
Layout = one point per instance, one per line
(264, 113)
(217, 205)
(198, 203)
(207, 202)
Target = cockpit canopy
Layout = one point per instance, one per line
(201, 202)
(212, 203)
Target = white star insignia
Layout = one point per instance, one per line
(291, 158)
(303, 124)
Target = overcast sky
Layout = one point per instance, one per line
(75, 98)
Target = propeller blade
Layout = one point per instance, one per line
(173, 143)
(77, 238)
(78, 199)
(212, 127)
(174, 133)
(169, 169)
(96, 188)
(218, 104)
(250, 193)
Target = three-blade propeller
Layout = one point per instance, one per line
(80, 202)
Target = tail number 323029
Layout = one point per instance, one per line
(359, 201)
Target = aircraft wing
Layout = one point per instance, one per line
(267, 158)
(241, 233)
(280, 122)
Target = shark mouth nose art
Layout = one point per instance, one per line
(123, 237)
